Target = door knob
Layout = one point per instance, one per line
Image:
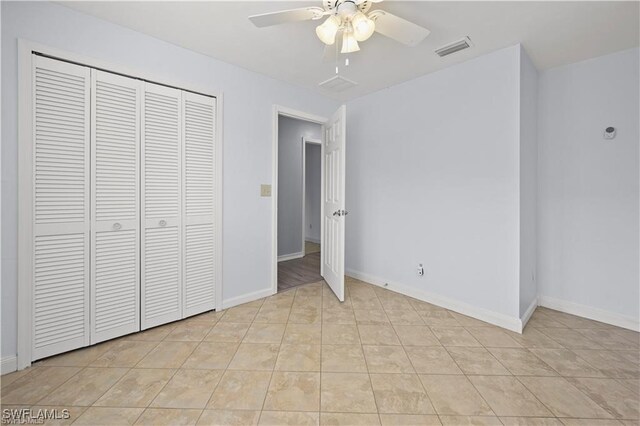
(337, 213)
(117, 226)
(162, 223)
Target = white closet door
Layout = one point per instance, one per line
(199, 114)
(161, 206)
(115, 259)
(61, 118)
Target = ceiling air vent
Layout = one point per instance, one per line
(337, 83)
(454, 47)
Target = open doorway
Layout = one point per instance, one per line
(293, 132)
(299, 202)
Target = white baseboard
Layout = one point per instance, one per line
(291, 256)
(527, 314)
(589, 312)
(8, 364)
(495, 318)
(312, 240)
(246, 298)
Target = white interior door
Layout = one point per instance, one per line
(333, 221)
(115, 228)
(61, 223)
(161, 203)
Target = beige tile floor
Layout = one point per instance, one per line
(301, 357)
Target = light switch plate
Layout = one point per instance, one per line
(265, 190)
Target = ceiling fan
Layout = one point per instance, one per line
(348, 23)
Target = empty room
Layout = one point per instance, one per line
(322, 212)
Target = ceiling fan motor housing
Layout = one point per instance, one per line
(346, 7)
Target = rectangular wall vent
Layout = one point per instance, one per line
(337, 83)
(454, 47)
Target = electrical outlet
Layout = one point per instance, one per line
(420, 270)
(265, 190)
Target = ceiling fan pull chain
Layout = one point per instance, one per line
(336, 55)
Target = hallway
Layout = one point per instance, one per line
(305, 270)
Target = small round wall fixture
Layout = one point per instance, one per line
(610, 132)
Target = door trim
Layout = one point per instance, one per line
(278, 111)
(306, 141)
(26, 49)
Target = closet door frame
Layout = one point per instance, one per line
(26, 51)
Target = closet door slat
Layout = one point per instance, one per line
(61, 112)
(199, 272)
(161, 206)
(115, 246)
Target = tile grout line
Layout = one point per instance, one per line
(177, 370)
(478, 391)
(266, 394)
(413, 366)
(367, 363)
(119, 379)
(224, 371)
(144, 409)
(89, 366)
(559, 375)
(321, 345)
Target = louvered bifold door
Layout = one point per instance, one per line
(61, 118)
(199, 272)
(161, 205)
(115, 251)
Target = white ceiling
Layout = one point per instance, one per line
(554, 33)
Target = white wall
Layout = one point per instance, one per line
(290, 134)
(588, 186)
(528, 182)
(248, 97)
(433, 178)
(313, 194)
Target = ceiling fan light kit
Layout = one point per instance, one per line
(350, 18)
(356, 27)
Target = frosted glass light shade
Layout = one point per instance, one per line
(326, 31)
(349, 43)
(363, 27)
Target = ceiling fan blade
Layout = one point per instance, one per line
(398, 29)
(285, 16)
